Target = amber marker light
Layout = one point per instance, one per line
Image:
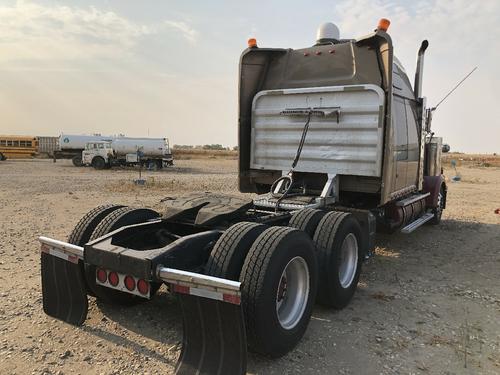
(383, 24)
(252, 43)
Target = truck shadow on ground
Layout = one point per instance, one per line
(399, 259)
(129, 344)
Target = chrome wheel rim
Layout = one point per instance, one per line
(293, 293)
(348, 260)
(439, 207)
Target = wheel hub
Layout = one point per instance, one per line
(282, 288)
(348, 260)
(292, 293)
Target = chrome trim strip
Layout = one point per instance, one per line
(197, 280)
(62, 246)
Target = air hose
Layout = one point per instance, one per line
(288, 178)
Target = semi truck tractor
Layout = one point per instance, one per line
(338, 145)
(126, 152)
(72, 146)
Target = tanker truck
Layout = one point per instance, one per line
(127, 152)
(71, 146)
(336, 143)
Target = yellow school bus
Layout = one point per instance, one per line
(17, 146)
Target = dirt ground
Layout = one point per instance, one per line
(427, 303)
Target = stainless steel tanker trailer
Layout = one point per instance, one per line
(338, 145)
(152, 150)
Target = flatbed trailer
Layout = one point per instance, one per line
(337, 144)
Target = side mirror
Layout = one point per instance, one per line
(445, 148)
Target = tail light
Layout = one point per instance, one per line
(101, 275)
(129, 283)
(143, 286)
(113, 278)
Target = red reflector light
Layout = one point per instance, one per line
(181, 289)
(231, 298)
(129, 283)
(113, 278)
(101, 275)
(143, 286)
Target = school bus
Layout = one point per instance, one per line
(17, 146)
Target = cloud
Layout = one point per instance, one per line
(190, 34)
(30, 31)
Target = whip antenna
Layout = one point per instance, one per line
(454, 88)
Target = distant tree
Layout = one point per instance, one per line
(214, 146)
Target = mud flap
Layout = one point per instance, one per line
(214, 339)
(63, 289)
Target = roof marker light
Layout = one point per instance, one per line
(383, 24)
(252, 43)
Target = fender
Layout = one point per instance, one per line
(432, 185)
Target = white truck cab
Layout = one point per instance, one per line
(97, 154)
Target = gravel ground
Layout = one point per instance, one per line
(427, 303)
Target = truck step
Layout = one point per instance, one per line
(417, 223)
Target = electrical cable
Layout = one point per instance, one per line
(288, 177)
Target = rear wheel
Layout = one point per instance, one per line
(339, 245)
(117, 219)
(98, 162)
(81, 233)
(438, 210)
(306, 220)
(77, 161)
(229, 252)
(279, 280)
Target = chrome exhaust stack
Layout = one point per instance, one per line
(420, 69)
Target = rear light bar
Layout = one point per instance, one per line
(179, 281)
(201, 285)
(124, 283)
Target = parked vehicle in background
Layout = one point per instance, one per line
(71, 146)
(18, 146)
(148, 152)
(47, 145)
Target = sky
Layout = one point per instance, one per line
(170, 68)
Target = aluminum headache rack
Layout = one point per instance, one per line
(214, 340)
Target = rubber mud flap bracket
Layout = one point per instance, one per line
(214, 340)
(63, 289)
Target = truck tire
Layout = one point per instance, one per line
(121, 217)
(229, 252)
(279, 280)
(306, 220)
(338, 240)
(114, 220)
(82, 231)
(98, 163)
(438, 210)
(77, 161)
